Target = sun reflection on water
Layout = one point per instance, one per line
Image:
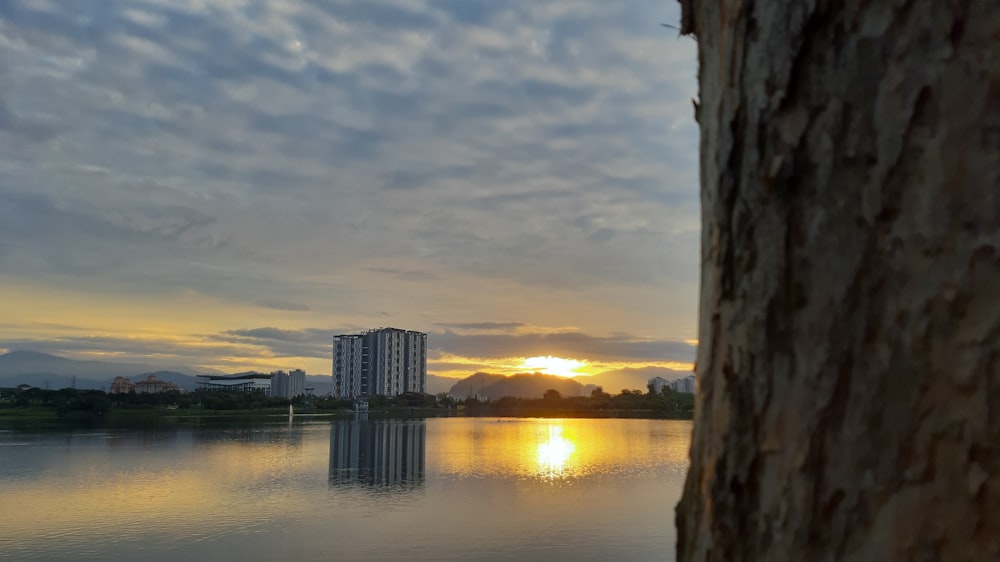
(550, 450)
(554, 453)
(262, 491)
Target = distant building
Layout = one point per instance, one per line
(152, 385)
(288, 385)
(382, 362)
(657, 384)
(243, 382)
(279, 385)
(296, 383)
(686, 384)
(121, 385)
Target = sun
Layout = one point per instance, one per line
(550, 365)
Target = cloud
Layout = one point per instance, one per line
(467, 366)
(256, 348)
(285, 305)
(274, 334)
(311, 342)
(405, 275)
(24, 128)
(503, 326)
(270, 347)
(618, 347)
(163, 351)
(335, 160)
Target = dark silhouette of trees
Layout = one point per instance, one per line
(666, 404)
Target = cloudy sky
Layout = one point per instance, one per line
(226, 184)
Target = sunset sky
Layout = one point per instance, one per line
(226, 184)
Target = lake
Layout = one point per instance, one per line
(346, 489)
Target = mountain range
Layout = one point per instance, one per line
(615, 381)
(534, 385)
(24, 362)
(51, 371)
(521, 385)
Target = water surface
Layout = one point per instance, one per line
(350, 489)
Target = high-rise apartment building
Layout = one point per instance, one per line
(288, 385)
(686, 384)
(382, 362)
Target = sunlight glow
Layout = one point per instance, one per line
(550, 365)
(553, 454)
(457, 367)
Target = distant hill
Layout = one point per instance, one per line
(437, 384)
(522, 385)
(613, 382)
(52, 381)
(43, 370)
(56, 381)
(474, 385)
(321, 384)
(22, 362)
(533, 385)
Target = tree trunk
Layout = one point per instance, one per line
(849, 368)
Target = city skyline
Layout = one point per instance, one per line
(224, 186)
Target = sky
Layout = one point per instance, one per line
(226, 184)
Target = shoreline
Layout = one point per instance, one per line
(140, 417)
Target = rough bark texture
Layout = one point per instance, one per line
(849, 367)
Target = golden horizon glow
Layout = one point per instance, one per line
(550, 365)
(192, 330)
(458, 367)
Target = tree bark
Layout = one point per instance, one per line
(848, 404)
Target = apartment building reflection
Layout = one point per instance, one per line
(387, 453)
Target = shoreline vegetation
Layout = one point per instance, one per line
(72, 406)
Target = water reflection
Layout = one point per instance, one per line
(283, 436)
(567, 451)
(490, 489)
(554, 453)
(388, 453)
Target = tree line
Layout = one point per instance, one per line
(97, 403)
(666, 403)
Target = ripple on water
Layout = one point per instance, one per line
(451, 489)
